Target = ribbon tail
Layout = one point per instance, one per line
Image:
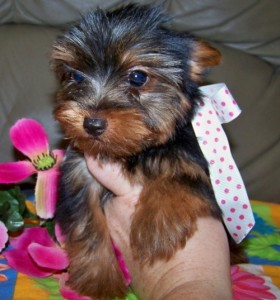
(219, 107)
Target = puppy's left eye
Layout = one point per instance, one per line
(137, 78)
(77, 77)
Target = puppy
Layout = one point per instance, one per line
(129, 90)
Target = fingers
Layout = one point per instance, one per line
(110, 175)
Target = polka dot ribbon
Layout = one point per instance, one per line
(219, 107)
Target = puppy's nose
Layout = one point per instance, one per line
(95, 126)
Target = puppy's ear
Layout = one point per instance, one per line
(203, 57)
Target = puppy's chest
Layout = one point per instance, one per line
(167, 163)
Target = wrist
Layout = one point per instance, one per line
(197, 290)
(199, 271)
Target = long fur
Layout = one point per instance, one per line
(148, 131)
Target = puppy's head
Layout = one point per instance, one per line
(126, 81)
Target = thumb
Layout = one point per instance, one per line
(110, 175)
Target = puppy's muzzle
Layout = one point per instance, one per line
(95, 126)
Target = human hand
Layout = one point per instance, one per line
(199, 271)
(119, 210)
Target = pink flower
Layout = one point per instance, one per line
(3, 236)
(36, 254)
(247, 286)
(30, 138)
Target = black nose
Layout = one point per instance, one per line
(95, 126)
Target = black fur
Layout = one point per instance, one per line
(98, 48)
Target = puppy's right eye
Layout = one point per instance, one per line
(137, 78)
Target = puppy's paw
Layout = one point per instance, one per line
(94, 271)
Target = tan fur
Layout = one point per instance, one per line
(158, 222)
(203, 56)
(147, 130)
(124, 127)
(93, 265)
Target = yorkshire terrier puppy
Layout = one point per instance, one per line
(129, 90)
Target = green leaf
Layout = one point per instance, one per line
(12, 208)
(50, 224)
(4, 207)
(4, 195)
(14, 221)
(20, 198)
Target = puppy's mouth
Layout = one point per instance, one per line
(113, 133)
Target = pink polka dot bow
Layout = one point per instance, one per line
(220, 107)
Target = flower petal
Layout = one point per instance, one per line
(59, 235)
(59, 154)
(3, 236)
(35, 234)
(29, 137)
(53, 258)
(14, 172)
(46, 193)
(21, 262)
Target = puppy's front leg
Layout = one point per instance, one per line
(165, 217)
(93, 270)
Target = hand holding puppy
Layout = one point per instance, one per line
(199, 271)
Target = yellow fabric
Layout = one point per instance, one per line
(27, 289)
